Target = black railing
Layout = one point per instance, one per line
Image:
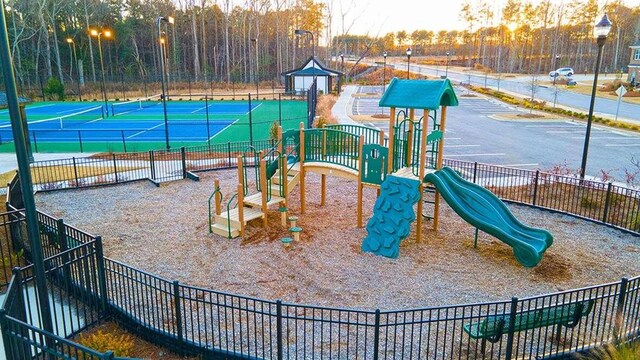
(193, 320)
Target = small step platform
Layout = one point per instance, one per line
(255, 200)
(225, 220)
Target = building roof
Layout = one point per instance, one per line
(419, 94)
(301, 71)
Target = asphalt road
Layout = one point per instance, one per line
(472, 135)
(522, 85)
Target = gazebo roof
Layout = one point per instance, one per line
(419, 94)
(320, 68)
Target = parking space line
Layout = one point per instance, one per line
(622, 145)
(474, 155)
(459, 146)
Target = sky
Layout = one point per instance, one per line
(378, 17)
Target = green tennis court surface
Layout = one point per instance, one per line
(140, 125)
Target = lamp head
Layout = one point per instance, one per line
(447, 53)
(162, 40)
(69, 40)
(384, 54)
(93, 32)
(171, 20)
(107, 33)
(557, 56)
(603, 27)
(409, 51)
(300, 32)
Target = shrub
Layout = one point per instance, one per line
(121, 344)
(54, 88)
(589, 203)
(273, 131)
(610, 352)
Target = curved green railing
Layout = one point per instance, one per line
(371, 135)
(332, 146)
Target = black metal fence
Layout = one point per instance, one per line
(212, 323)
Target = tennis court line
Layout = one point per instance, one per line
(247, 113)
(202, 108)
(144, 131)
(223, 129)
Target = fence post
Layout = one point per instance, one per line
(80, 141)
(8, 346)
(124, 141)
(279, 328)
(178, 310)
(376, 335)
(102, 276)
(75, 171)
(607, 200)
(229, 153)
(535, 187)
(183, 157)
(617, 324)
(62, 244)
(35, 141)
(115, 166)
(475, 171)
(512, 326)
(152, 165)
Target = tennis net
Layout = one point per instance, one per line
(133, 105)
(77, 118)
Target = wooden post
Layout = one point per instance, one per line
(392, 124)
(324, 144)
(218, 196)
(240, 172)
(264, 190)
(422, 163)
(302, 172)
(360, 170)
(381, 137)
(408, 156)
(280, 142)
(323, 189)
(240, 208)
(436, 205)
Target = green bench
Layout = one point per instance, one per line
(491, 328)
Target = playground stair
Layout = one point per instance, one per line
(228, 224)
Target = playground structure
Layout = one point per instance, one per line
(401, 165)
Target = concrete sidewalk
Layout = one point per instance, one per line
(8, 161)
(344, 106)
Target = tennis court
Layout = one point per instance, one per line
(140, 125)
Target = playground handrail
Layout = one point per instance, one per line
(218, 199)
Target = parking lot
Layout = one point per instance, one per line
(474, 134)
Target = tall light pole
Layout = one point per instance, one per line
(384, 72)
(408, 60)
(74, 58)
(555, 68)
(255, 41)
(159, 21)
(99, 34)
(446, 67)
(601, 30)
(342, 62)
(313, 45)
(22, 156)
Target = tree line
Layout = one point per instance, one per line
(521, 37)
(216, 41)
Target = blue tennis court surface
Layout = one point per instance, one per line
(131, 121)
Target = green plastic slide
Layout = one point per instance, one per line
(482, 209)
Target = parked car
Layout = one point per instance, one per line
(562, 72)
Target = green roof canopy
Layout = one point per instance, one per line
(419, 94)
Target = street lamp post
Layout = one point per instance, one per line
(313, 46)
(256, 79)
(343, 75)
(601, 30)
(107, 34)
(384, 72)
(408, 60)
(555, 68)
(446, 67)
(74, 58)
(159, 21)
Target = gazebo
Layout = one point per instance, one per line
(300, 79)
